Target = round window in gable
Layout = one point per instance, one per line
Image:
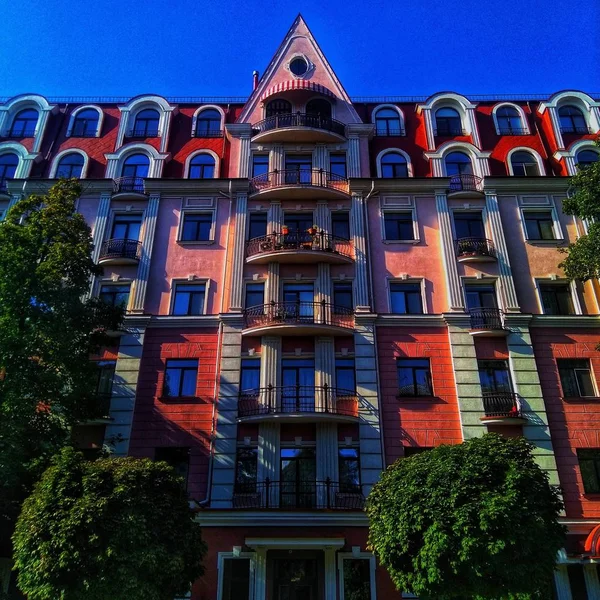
(299, 66)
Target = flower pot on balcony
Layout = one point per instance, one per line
(312, 230)
(285, 230)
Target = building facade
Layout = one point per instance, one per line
(317, 286)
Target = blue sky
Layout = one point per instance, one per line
(392, 47)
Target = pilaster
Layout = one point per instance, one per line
(274, 217)
(592, 585)
(260, 575)
(323, 217)
(357, 231)
(40, 129)
(244, 167)
(237, 260)
(429, 129)
(357, 132)
(270, 359)
(327, 455)
(473, 127)
(324, 361)
(268, 456)
(330, 579)
(320, 156)
(323, 283)
(14, 198)
(276, 158)
(99, 231)
(272, 283)
(561, 583)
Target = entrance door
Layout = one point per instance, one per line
(295, 578)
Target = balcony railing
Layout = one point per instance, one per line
(299, 240)
(143, 133)
(465, 183)
(448, 131)
(283, 400)
(85, 128)
(299, 313)
(299, 495)
(472, 246)
(129, 184)
(501, 404)
(27, 132)
(503, 130)
(486, 319)
(299, 178)
(299, 120)
(120, 249)
(207, 133)
(567, 129)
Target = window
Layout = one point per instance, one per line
(255, 294)
(539, 225)
(556, 298)
(345, 374)
(126, 227)
(236, 579)
(458, 163)
(24, 123)
(340, 225)
(356, 578)
(576, 378)
(494, 376)
(246, 469)
(115, 295)
(250, 375)
(589, 465)
(146, 124)
(278, 107)
(406, 298)
(299, 300)
(524, 164)
(177, 458)
(572, 120)
(257, 225)
(197, 227)
(387, 122)
(180, 378)
(468, 225)
(298, 66)
(260, 164)
(298, 168)
(86, 123)
(447, 122)
(202, 166)
(342, 295)
(106, 375)
(136, 165)
(208, 123)
(8, 168)
(70, 165)
(337, 164)
(399, 226)
(393, 165)
(481, 296)
(189, 299)
(349, 470)
(509, 121)
(298, 223)
(414, 377)
(587, 157)
(319, 107)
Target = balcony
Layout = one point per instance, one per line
(299, 495)
(129, 188)
(299, 402)
(298, 127)
(502, 408)
(298, 318)
(487, 322)
(302, 184)
(299, 247)
(475, 250)
(574, 129)
(465, 186)
(120, 252)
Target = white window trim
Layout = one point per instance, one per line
(588, 106)
(487, 280)
(419, 280)
(572, 286)
(570, 155)
(215, 157)
(356, 554)
(479, 158)
(199, 111)
(558, 232)
(197, 211)
(64, 153)
(592, 377)
(222, 556)
(115, 161)
(408, 209)
(82, 108)
(534, 153)
(406, 156)
(15, 105)
(26, 158)
(474, 209)
(199, 282)
(524, 122)
(394, 108)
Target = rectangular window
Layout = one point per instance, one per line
(236, 579)
(539, 225)
(197, 227)
(178, 458)
(250, 375)
(345, 377)
(106, 375)
(255, 294)
(406, 298)
(414, 377)
(126, 227)
(589, 464)
(576, 378)
(337, 164)
(357, 578)
(189, 299)
(349, 470)
(180, 378)
(115, 295)
(246, 464)
(340, 225)
(481, 296)
(468, 225)
(556, 298)
(257, 225)
(399, 226)
(494, 376)
(342, 295)
(260, 164)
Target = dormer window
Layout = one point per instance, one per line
(202, 166)
(136, 165)
(448, 122)
(86, 123)
(8, 168)
(70, 165)
(509, 121)
(524, 164)
(572, 120)
(24, 123)
(146, 124)
(387, 122)
(208, 123)
(278, 107)
(393, 165)
(587, 157)
(458, 163)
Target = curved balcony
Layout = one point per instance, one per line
(120, 252)
(298, 127)
(473, 249)
(298, 402)
(299, 247)
(132, 188)
(487, 322)
(298, 318)
(502, 408)
(303, 184)
(465, 186)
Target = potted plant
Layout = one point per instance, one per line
(312, 230)
(285, 229)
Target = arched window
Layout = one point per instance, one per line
(8, 168)
(146, 123)
(24, 123)
(572, 120)
(202, 166)
(278, 107)
(70, 165)
(208, 123)
(393, 165)
(447, 122)
(319, 107)
(458, 163)
(387, 122)
(509, 121)
(524, 164)
(136, 165)
(587, 157)
(86, 123)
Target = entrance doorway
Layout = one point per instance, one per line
(295, 575)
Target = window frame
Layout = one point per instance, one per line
(199, 283)
(183, 370)
(356, 554)
(457, 212)
(195, 211)
(414, 383)
(73, 121)
(408, 210)
(596, 463)
(262, 282)
(556, 227)
(577, 309)
(451, 132)
(66, 155)
(574, 369)
(399, 115)
(384, 153)
(408, 281)
(25, 133)
(525, 130)
(111, 283)
(255, 213)
(135, 132)
(341, 282)
(339, 162)
(222, 557)
(344, 213)
(194, 155)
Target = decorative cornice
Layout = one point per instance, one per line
(238, 130)
(196, 187)
(360, 130)
(519, 185)
(232, 518)
(565, 321)
(459, 319)
(411, 320)
(167, 321)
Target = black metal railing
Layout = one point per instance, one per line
(207, 133)
(501, 404)
(27, 132)
(504, 130)
(150, 132)
(472, 246)
(276, 400)
(568, 129)
(299, 313)
(119, 248)
(486, 318)
(448, 131)
(129, 184)
(299, 177)
(299, 120)
(299, 495)
(465, 183)
(299, 240)
(80, 129)
(390, 132)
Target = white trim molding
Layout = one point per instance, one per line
(558, 281)
(202, 108)
(199, 282)
(479, 159)
(303, 543)
(82, 108)
(61, 155)
(404, 154)
(393, 107)
(538, 159)
(570, 155)
(114, 161)
(214, 155)
(356, 554)
(26, 158)
(235, 555)
(519, 109)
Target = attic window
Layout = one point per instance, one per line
(299, 66)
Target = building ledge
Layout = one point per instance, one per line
(232, 518)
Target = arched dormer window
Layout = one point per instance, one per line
(278, 107)
(448, 122)
(202, 166)
(510, 120)
(393, 165)
(585, 158)
(388, 122)
(136, 165)
(458, 163)
(572, 120)
(524, 164)
(85, 123)
(319, 107)
(146, 124)
(24, 123)
(70, 165)
(208, 123)
(8, 167)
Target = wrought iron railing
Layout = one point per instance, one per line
(501, 404)
(504, 130)
(449, 130)
(144, 133)
(486, 318)
(207, 133)
(299, 313)
(120, 248)
(299, 177)
(573, 129)
(128, 184)
(80, 129)
(390, 132)
(299, 495)
(465, 183)
(299, 120)
(473, 246)
(276, 400)
(299, 240)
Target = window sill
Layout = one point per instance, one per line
(557, 242)
(401, 241)
(179, 399)
(195, 242)
(580, 399)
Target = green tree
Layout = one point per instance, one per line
(474, 520)
(111, 528)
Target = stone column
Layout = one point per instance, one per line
(237, 259)
(99, 232)
(260, 575)
(330, 578)
(357, 231)
(320, 156)
(561, 582)
(277, 158)
(272, 283)
(353, 156)
(274, 217)
(323, 217)
(592, 585)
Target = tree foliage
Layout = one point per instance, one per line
(475, 520)
(113, 528)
